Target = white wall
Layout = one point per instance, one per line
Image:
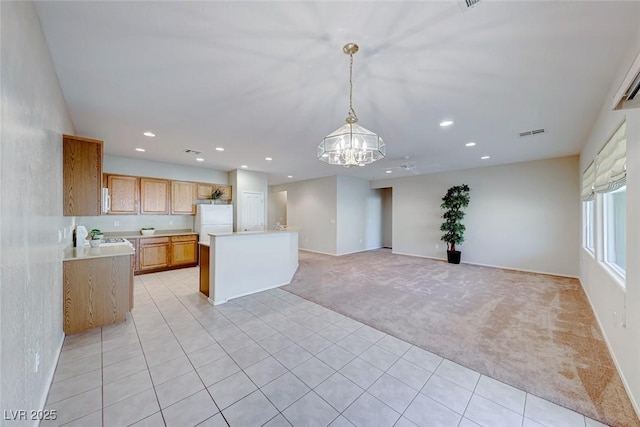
(277, 208)
(311, 204)
(521, 216)
(34, 116)
(605, 295)
(148, 168)
(359, 216)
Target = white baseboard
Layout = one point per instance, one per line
(316, 252)
(491, 265)
(341, 254)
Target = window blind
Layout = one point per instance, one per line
(587, 182)
(611, 163)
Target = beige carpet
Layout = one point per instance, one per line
(535, 332)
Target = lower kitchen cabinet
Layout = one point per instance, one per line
(154, 253)
(164, 253)
(97, 292)
(184, 250)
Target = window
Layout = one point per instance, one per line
(615, 229)
(588, 224)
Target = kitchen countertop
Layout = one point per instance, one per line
(158, 233)
(88, 252)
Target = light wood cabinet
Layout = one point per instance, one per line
(97, 292)
(154, 196)
(204, 269)
(123, 191)
(184, 250)
(226, 192)
(183, 198)
(154, 253)
(81, 176)
(204, 190)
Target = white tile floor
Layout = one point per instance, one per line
(270, 359)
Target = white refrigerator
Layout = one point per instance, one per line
(213, 219)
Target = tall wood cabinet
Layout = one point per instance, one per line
(123, 191)
(81, 176)
(154, 196)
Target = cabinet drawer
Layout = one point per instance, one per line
(153, 241)
(189, 238)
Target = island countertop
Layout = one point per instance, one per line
(87, 252)
(291, 229)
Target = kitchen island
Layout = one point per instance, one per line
(247, 262)
(97, 286)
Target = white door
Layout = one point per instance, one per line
(252, 211)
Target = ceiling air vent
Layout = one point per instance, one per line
(532, 132)
(471, 3)
(190, 151)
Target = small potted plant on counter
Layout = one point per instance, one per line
(95, 236)
(453, 203)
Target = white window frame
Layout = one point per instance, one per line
(607, 229)
(589, 225)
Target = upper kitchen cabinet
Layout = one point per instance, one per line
(205, 190)
(82, 176)
(226, 192)
(154, 196)
(123, 191)
(183, 198)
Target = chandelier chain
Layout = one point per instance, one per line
(352, 112)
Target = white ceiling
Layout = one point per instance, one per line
(270, 79)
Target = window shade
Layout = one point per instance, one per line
(611, 163)
(587, 182)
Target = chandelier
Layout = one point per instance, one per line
(351, 144)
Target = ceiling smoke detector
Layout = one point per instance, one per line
(532, 132)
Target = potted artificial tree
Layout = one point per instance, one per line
(454, 203)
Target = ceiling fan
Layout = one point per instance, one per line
(406, 165)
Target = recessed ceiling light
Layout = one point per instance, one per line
(485, 157)
(149, 134)
(200, 159)
(268, 158)
(446, 123)
(470, 144)
(289, 176)
(219, 149)
(244, 166)
(142, 150)
(389, 171)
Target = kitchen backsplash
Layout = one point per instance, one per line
(136, 222)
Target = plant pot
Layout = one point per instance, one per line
(454, 257)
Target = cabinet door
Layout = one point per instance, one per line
(154, 253)
(183, 198)
(226, 192)
(184, 250)
(154, 196)
(204, 190)
(96, 292)
(81, 176)
(123, 191)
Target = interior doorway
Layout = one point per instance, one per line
(387, 217)
(277, 214)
